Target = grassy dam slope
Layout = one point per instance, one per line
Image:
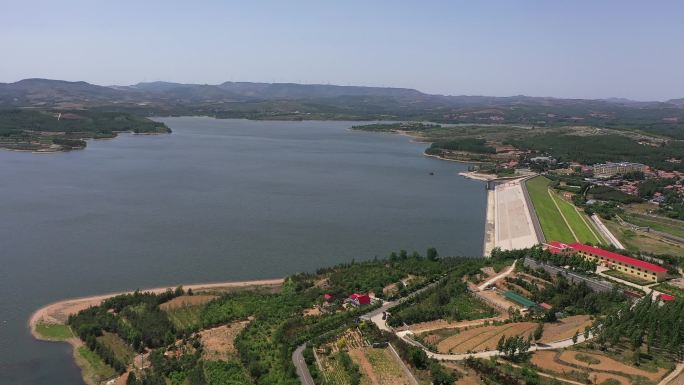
(559, 219)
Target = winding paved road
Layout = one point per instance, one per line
(301, 367)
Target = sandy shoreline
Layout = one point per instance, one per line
(58, 312)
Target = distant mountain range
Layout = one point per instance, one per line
(318, 101)
(50, 91)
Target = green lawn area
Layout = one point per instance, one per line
(627, 277)
(669, 289)
(54, 331)
(638, 241)
(185, 317)
(468, 307)
(552, 223)
(93, 367)
(119, 347)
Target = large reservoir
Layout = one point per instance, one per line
(217, 200)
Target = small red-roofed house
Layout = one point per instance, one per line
(359, 299)
(666, 297)
(327, 297)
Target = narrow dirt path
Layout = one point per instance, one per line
(365, 365)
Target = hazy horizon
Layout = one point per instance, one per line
(582, 49)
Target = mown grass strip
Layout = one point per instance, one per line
(553, 225)
(579, 227)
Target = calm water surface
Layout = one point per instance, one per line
(216, 200)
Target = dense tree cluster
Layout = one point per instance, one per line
(513, 347)
(138, 320)
(448, 299)
(648, 323)
(603, 148)
(478, 146)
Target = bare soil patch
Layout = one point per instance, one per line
(609, 364)
(492, 296)
(600, 378)
(565, 328)
(219, 342)
(314, 312)
(359, 357)
(545, 360)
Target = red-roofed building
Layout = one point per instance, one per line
(327, 297)
(666, 297)
(359, 299)
(555, 247)
(619, 262)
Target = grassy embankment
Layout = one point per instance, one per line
(95, 370)
(664, 225)
(641, 241)
(559, 219)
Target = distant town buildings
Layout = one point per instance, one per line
(609, 169)
(543, 159)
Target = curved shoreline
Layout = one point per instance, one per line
(57, 312)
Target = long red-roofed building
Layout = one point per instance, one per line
(619, 262)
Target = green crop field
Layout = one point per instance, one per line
(185, 317)
(334, 372)
(549, 208)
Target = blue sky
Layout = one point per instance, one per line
(583, 49)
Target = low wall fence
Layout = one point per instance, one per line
(595, 285)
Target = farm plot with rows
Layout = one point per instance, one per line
(482, 338)
(379, 367)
